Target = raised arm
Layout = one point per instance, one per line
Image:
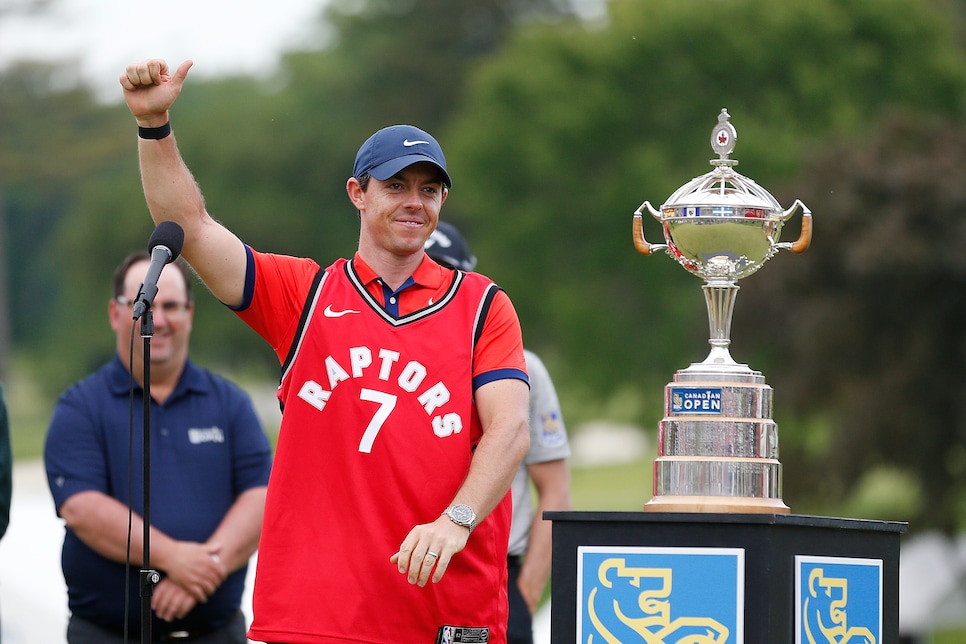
(213, 251)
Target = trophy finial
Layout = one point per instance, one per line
(723, 137)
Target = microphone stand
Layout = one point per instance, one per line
(148, 577)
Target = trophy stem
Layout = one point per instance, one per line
(719, 295)
(720, 299)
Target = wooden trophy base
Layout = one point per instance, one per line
(716, 505)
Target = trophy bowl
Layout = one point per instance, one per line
(717, 444)
(722, 225)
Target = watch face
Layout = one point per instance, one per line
(462, 514)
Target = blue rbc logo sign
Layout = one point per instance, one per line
(838, 600)
(628, 595)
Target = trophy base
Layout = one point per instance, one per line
(717, 443)
(716, 504)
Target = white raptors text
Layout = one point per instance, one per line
(408, 377)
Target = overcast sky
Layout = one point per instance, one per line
(102, 36)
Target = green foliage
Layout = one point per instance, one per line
(51, 144)
(869, 321)
(568, 129)
(884, 493)
(555, 131)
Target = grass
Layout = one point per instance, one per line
(29, 412)
(620, 488)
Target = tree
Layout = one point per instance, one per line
(555, 130)
(868, 323)
(51, 143)
(274, 166)
(279, 180)
(569, 128)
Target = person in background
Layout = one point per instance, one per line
(210, 463)
(6, 466)
(545, 465)
(404, 394)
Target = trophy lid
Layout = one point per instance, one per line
(722, 226)
(723, 186)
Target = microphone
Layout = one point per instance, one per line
(165, 246)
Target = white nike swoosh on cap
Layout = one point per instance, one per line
(329, 313)
(409, 143)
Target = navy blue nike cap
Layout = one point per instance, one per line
(396, 147)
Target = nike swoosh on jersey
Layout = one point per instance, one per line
(409, 143)
(329, 313)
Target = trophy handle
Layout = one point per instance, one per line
(804, 240)
(641, 244)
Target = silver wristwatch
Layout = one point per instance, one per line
(461, 514)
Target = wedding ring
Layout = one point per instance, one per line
(432, 554)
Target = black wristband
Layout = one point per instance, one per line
(154, 133)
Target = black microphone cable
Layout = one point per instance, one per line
(130, 482)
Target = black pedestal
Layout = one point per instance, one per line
(691, 577)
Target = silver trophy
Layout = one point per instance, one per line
(717, 442)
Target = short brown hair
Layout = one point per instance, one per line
(142, 256)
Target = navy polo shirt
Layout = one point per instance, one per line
(207, 447)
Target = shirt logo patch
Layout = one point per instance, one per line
(197, 436)
(330, 313)
(551, 430)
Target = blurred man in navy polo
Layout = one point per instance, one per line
(210, 461)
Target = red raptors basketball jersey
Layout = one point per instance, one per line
(377, 434)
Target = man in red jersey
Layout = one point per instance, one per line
(405, 401)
